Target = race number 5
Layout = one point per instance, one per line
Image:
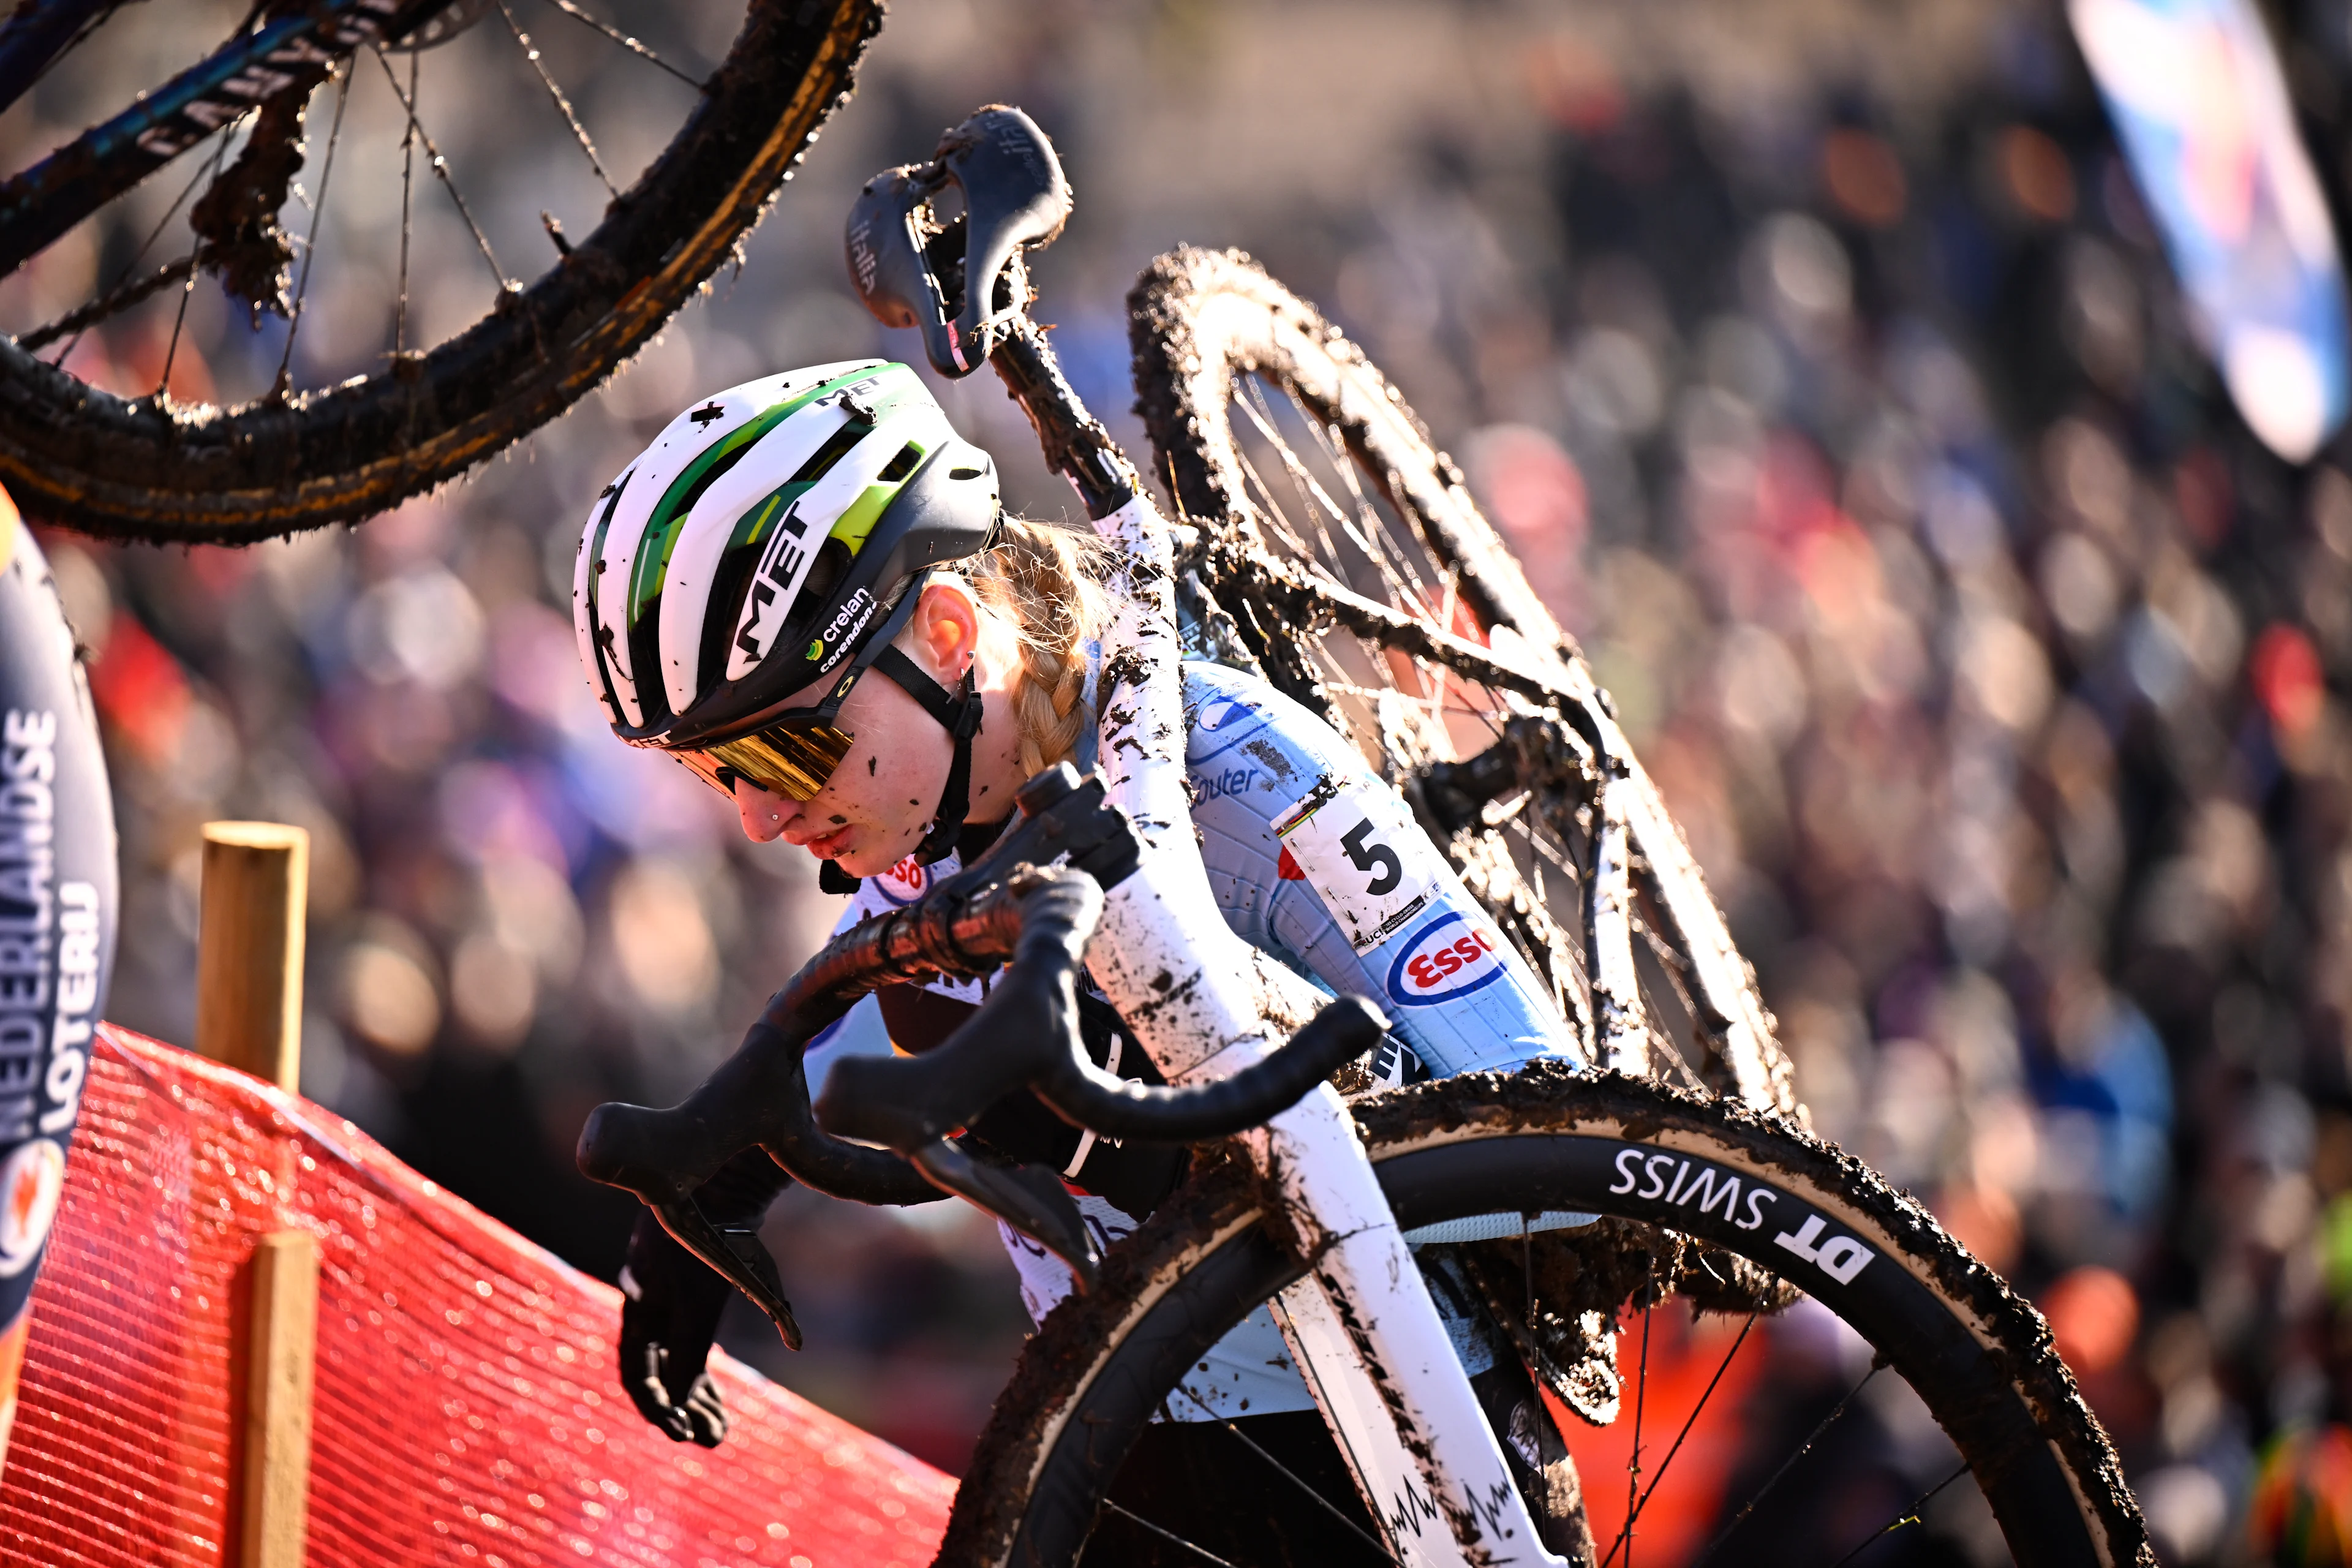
(1364, 855)
(1360, 849)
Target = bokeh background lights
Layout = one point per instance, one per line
(1824, 366)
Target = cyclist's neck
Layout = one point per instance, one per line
(996, 771)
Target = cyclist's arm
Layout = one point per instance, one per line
(1314, 859)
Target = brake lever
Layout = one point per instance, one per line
(737, 1256)
(1032, 1009)
(1027, 1197)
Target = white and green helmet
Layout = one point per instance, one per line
(746, 552)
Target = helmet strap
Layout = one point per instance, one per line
(959, 715)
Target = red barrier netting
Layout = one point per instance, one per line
(466, 1410)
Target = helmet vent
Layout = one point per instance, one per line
(899, 467)
(966, 473)
(645, 657)
(705, 479)
(837, 446)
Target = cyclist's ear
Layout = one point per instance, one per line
(945, 630)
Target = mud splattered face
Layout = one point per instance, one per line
(879, 802)
(873, 812)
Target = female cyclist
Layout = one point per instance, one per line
(806, 590)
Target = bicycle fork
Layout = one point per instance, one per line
(1378, 1360)
(1361, 1326)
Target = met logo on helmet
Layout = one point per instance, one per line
(783, 566)
(1448, 957)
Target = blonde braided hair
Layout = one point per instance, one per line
(1045, 582)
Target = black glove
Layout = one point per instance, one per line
(672, 1301)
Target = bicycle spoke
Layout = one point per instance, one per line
(562, 104)
(89, 312)
(1670, 966)
(1786, 1465)
(440, 167)
(408, 213)
(1390, 558)
(196, 259)
(280, 387)
(1446, 617)
(1514, 818)
(1375, 526)
(1311, 492)
(1664, 1036)
(76, 323)
(1648, 1491)
(1287, 1474)
(1203, 1553)
(1323, 561)
(1276, 519)
(1335, 450)
(1528, 1270)
(627, 42)
(179, 324)
(282, 49)
(124, 294)
(1312, 501)
(1431, 739)
(1634, 1464)
(1909, 1515)
(1392, 563)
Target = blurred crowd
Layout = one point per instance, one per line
(1994, 669)
(1986, 657)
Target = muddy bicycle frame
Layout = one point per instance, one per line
(1360, 1324)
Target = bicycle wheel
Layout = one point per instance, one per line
(1342, 555)
(1978, 1358)
(146, 466)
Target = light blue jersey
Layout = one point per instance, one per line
(1313, 859)
(1453, 989)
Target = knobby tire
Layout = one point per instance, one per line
(1202, 320)
(148, 469)
(1979, 1357)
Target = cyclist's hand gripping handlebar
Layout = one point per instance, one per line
(1024, 1034)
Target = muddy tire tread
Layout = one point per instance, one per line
(79, 457)
(1080, 1336)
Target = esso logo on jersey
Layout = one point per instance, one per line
(1448, 957)
(905, 882)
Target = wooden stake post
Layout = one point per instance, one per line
(274, 1489)
(250, 1015)
(249, 958)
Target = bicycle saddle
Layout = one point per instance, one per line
(1015, 196)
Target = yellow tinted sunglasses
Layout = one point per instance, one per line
(797, 754)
